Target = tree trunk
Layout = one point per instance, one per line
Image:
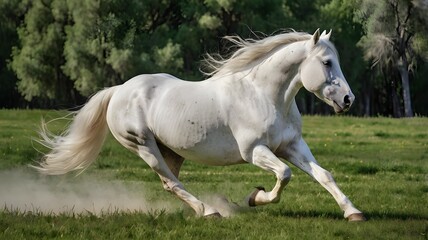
(404, 74)
(366, 94)
(396, 106)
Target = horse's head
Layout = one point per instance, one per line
(321, 74)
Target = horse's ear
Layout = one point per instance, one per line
(325, 35)
(316, 37)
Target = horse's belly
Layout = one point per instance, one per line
(214, 157)
(217, 149)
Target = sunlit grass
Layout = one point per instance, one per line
(380, 163)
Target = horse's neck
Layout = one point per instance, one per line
(277, 75)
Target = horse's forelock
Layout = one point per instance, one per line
(321, 47)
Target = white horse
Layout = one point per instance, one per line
(244, 113)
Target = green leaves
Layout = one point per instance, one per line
(63, 49)
(93, 44)
(37, 62)
(393, 41)
(169, 56)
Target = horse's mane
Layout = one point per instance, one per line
(248, 50)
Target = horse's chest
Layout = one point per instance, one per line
(289, 134)
(274, 135)
(283, 129)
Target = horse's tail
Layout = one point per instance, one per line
(81, 143)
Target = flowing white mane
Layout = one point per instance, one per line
(248, 51)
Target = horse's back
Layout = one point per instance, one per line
(187, 117)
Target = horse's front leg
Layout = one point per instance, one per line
(264, 158)
(300, 155)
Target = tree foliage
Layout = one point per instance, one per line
(60, 50)
(12, 13)
(38, 60)
(394, 30)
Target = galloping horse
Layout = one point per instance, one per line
(245, 112)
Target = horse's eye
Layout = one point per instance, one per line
(327, 63)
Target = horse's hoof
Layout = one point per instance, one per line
(213, 215)
(356, 217)
(252, 198)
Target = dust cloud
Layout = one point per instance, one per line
(225, 207)
(25, 191)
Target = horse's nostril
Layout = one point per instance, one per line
(347, 101)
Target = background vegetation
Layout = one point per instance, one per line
(380, 163)
(55, 53)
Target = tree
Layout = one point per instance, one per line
(339, 16)
(38, 60)
(12, 12)
(63, 49)
(93, 59)
(395, 31)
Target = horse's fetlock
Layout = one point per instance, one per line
(167, 188)
(276, 199)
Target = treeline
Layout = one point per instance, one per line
(56, 53)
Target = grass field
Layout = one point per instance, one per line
(381, 164)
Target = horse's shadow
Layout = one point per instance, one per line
(370, 215)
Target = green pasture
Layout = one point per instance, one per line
(381, 164)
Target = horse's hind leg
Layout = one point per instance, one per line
(172, 160)
(150, 153)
